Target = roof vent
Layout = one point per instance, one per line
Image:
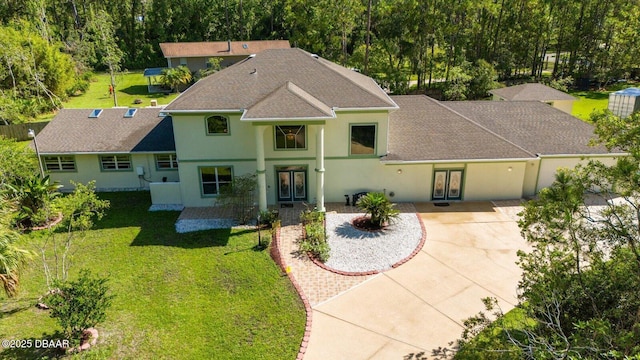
(251, 56)
(315, 56)
(130, 112)
(245, 46)
(95, 113)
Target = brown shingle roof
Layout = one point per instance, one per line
(288, 101)
(219, 48)
(535, 126)
(424, 129)
(72, 131)
(534, 92)
(245, 84)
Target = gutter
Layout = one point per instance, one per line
(410, 162)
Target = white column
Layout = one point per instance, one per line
(261, 168)
(320, 168)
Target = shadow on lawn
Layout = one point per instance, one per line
(157, 228)
(44, 347)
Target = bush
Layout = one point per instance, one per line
(269, 217)
(315, 240)
(79, 305)
(379, 208)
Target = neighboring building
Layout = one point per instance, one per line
(315, 131)
(624, 102)
(196, 55)
(535, 92)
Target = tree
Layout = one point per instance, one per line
(78, 209)
(239, 197)
(34, 196)
(17, 162)
(105, 46)
(173, 78)
(80, 304)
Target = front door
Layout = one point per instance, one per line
(447, 185)
(292, 184)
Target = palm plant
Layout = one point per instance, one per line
(11, 258)
(380, 210)
(174, 77)
(32, 195)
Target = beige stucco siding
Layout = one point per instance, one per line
(530, 177)
(193, 143)
(191, 192)
(88, 169)
(493, 181)
(564, 105)
(549, 166)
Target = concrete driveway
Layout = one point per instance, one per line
(469, 254)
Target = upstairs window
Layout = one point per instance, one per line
(363, 139)
(217, 125)
(115, 162)
(166, 161)
(291, 137)
(59, 163)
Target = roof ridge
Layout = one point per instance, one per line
(326, 63)
(315, 102)
(483, 127)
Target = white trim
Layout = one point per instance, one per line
(387, 108)
(106, 153)
(581, 155)
(451, 161)
(202, 111)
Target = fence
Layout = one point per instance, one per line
(19, 131)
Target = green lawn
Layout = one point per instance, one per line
(203, 295)
(129, 87)
(592, 100)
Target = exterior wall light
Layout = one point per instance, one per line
(32, 134)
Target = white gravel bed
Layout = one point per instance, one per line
(166, 207)
(354, 250)
(184, 226)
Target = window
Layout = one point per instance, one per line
(60, 163)
(166, 161)
(213, 179)
(115, 162)
(291, 137)
(363, 139)
(217, 125)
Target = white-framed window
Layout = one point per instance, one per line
(291, 137)
(363, 139)
(115, 162)
(214, 178)
(166, 161)
(217, 125)
(59, 163)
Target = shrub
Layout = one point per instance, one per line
(379, 208)
(79, 305)
(33, 195)
(315, 240)
(269, 217)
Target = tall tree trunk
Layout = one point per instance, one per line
(367, 39)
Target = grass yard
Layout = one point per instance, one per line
(129, 87)
(592, 100)
(203, 295)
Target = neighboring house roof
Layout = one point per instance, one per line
(531, 92)
(534, 126)
(220, 48)
(73, 131)
(255, 84)
(424, 129)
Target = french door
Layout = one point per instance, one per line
(292, 185)
(447, 185)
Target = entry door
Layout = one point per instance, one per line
(447, 185)
(292, 185)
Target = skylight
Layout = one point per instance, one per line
(95, 113)
(130, 112)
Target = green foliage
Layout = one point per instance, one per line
(173, 78)
(315, 240)
(17, 162)
(34, 197)
(12, 258)
(239, 197)
(80, 304)
(377, 206)
(81, 208)
(35, 75)
(269, 217)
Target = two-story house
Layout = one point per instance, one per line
(314, 131)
